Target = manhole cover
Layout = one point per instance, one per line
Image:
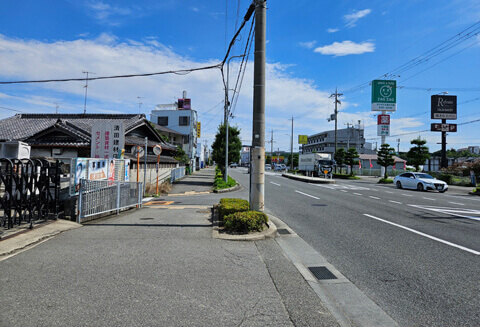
(322, 273)
(283, 231)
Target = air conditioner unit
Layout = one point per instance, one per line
(15, 150)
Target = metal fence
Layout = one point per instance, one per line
(100, 197)
(177, 174)
(29, 191)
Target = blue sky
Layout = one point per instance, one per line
(313, 47)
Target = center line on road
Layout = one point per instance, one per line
(307, 195)
(373, 197)
(275, 184)
(357, 194)
(395, 202)
(460, 204)
(429, 199)
(425, 235)
(406, 194)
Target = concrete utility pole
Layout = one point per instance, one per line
(291, 147)
(336, 95)
(348, 136)
(257, 169)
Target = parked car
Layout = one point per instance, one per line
(233, 165)
(268, 167)
(280, 167)
(419, 181)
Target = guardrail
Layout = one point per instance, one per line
(100, 197)
(177, 173)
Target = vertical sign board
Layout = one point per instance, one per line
(384, 95)
(108, 139)
(444, 107)
(383, 125)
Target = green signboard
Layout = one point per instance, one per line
(384, 95)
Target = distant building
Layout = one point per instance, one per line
(180, 118)
(351, 137)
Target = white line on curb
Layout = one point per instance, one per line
(425, 235)
(307, 195)
(275, 184)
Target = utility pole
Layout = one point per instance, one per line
(291, 147)
(336, 95)
(398, 146)
(271, 147)
(257, 169)
(348, 136)
(86, 87)
(139, 105)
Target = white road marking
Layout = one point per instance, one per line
(395, 202)
(430, 199)
(344, 191)
(406, 194)
(275, 184)
(374, 197)
(425, 235)
(307, 195)
(460, 204)
(357, 194)
(457, 212)
(388, 192)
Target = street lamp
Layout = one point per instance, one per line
(227, 104)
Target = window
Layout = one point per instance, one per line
(162, 121)
(183, 121)
(186, 139)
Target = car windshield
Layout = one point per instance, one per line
(425, 176)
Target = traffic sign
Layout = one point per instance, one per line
(452, 128)
(302, 139)
(444, 107)
(384, 95)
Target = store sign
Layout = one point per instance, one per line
(383, 130)
(302, 139)
(108, 140)
(384, 95)
(452, 128)
(444, 107)
(383, 120)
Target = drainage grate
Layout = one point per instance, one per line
(283, 231)
(322, 273)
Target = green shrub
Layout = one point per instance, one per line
(220, 184)
(246, 221)
(228, 206)
(447, 178)
(385, 181)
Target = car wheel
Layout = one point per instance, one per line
(399, 185)
(420, 186)
(442, 191)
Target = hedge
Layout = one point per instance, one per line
(228, 206)
(246, 221)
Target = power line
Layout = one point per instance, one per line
(10, 109)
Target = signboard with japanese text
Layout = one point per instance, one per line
(108, 140)
(97, 169)
(452, 128)
(384, 95)
(383, 120)
(444, 107)
(383, 130)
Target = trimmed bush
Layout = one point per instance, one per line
(385, 181)
(246, 221)
(228, 206)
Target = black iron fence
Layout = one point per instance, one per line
(29, 191)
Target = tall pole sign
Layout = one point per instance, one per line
(444, 107)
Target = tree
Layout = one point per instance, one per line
(385, 157)
(339, 157)
(181, 155)
(234, 146)
(350, 157)
(418, 154)
(295, 159)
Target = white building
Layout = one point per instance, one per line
(181, 118)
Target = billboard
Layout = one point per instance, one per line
(108, 140)
(444, 107)
(443, 128)
(302, 139)
(384, 95)
(97, 169)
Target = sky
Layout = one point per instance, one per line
(313, 48)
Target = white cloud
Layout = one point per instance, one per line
(106, 13)
(345, 48)
(308, 45)
(351, 19)
(332, 30)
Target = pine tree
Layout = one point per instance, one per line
(385, 157)
(418, 154)
(350, 157)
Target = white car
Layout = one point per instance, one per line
(268, 167)
(419, 181)
(280, 167)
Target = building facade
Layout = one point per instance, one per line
(351, 137)
(180, 118)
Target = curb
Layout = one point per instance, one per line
(316, 180)
(25, 239)
(271, 232)
(231, 189)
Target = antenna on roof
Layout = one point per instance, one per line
(86, 87)
(56, 107)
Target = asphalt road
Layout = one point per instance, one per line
(415, 254)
